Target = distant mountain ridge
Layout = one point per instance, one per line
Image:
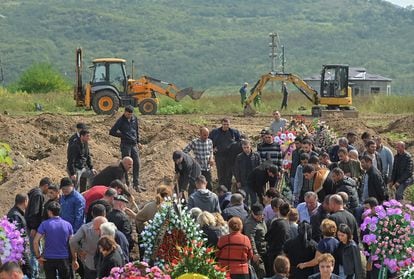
(210, 43)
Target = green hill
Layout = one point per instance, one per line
(212, 42)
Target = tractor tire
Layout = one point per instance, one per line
(105, 102)
(148, 106)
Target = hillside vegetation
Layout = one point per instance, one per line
(210, 43)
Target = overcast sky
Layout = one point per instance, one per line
(403, 3)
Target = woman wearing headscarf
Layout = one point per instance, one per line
(300, 249)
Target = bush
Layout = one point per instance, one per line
(40, 78)
(409, 194)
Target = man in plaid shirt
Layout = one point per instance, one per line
(202, 148)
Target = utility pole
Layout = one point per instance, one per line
(273, 46)
(283, 59)
(1, 74)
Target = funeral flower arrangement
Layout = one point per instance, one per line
(11, 242)
(137, 270)
(390, 235)
(198, 259)
(172, 227)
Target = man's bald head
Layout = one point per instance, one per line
(97, 222)
(204, 132)
(400, 147)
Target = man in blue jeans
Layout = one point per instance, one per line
(56, 233)
(127, 128)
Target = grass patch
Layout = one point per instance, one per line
(397, 136)
(226, 101)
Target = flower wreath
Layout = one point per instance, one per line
(11, 242)
(172, 227)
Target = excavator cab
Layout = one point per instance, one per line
(111, 72)
(335, 91)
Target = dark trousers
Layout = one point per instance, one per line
(207, 175)
(131, 150)
(54, 267)
(89, 274)
(224, 171)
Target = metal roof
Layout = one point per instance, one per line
(355, 74)
(110, 60)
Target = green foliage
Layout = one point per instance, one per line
(209, 44)
(409, 194)
(5, 159)
(22, 102)
(41, 78)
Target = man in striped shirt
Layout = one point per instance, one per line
(202, 148)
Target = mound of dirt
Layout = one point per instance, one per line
(39, 144)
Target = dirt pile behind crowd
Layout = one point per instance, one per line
(39, 144)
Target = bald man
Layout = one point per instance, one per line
(402, 171)
(83, 246)
(112, 172)
(202, 148)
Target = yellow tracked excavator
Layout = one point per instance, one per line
(110, 88)
(335, 94)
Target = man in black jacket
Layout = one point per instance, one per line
(16, 215)
(402, 171)
(33, 217)
(223, 137)
(79, 163)
(341, 216)
(257, 180)
(120, 219)
(127, 128)
(244, 165)
(373, 184)
(347, 185)
(110, 173)
(186, 170)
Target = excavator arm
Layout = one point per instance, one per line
(310, 93)
(146, 83)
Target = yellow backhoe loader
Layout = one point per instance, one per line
(110, 88)
(335, 94)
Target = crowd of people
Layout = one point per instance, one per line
(86, 223)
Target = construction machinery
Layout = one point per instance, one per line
(110, 88)
(335, 95)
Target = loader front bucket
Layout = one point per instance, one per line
(249, 111)
(195, 95)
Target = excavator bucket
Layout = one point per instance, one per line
(195, 95)
(249, 111)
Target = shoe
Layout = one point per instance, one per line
(142, 188)
(137, 188)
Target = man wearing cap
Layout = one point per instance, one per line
(186, 171)
(202, 148)
(255, 229)
(120, 218)
(127, 128)
(79, 164)
(72, 204)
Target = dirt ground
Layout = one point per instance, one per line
(39, 143)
